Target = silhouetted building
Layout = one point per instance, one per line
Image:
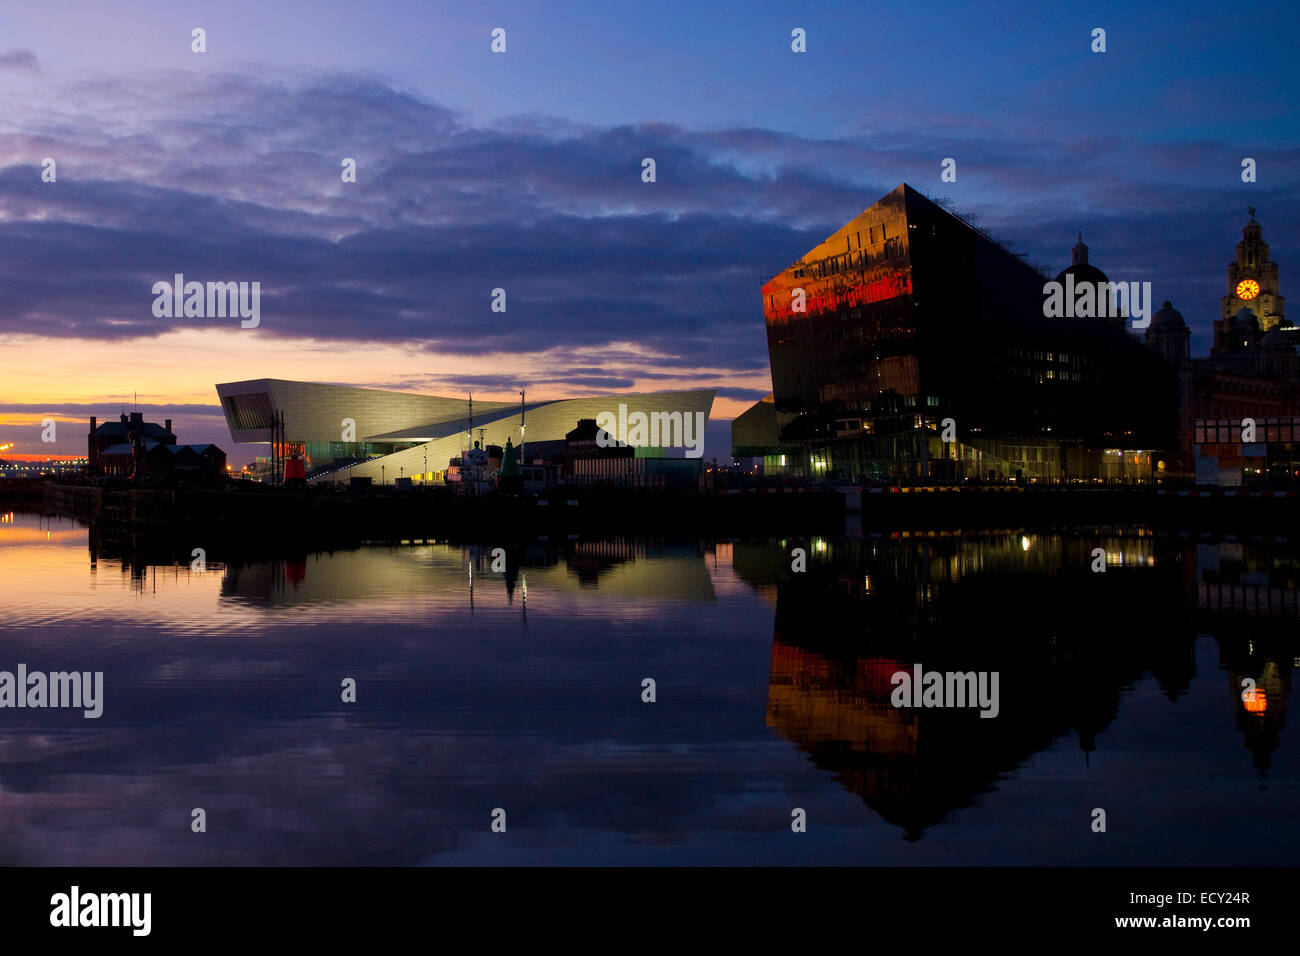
(188, 464)
(114, 435)
(585, 442)
(909, 326)
(134, 448)
(1080, 271)
(590, 459)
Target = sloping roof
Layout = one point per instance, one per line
(124, 428)
(125, 448)
(755, 431)
(435, 430)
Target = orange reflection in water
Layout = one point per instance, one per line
(1256, 703)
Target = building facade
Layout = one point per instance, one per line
(1250, 376)
(120, 436)
(1252, 283)
(912, 346)
(346, 432)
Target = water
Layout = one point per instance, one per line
(523, 691)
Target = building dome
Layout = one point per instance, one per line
(1082, 270)
(1168, 318)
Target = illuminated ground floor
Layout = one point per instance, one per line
(923, 456)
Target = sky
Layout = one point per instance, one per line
(522, 170)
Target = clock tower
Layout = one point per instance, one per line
(1252, 281)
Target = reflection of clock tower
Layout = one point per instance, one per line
(1252, 283)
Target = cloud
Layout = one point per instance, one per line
(18, 60)
(235, 177)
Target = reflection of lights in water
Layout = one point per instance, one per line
(1024, 543)
(819, 544)
(866, 583)
(1259, 702)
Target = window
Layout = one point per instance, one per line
(251, 410)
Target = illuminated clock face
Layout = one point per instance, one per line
(1247, 289)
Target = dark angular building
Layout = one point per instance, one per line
(910, 345)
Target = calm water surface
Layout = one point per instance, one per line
(523, 691)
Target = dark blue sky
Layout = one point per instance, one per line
(522, 170)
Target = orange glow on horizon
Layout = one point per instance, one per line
(38, 459)
(183, 368)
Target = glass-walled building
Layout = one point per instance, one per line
(910, 345)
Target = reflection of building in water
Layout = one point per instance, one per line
(142, 555)
(1263, 580)
(1262, 717)
(812, 698)
(589, 559)
(620, 568)
(1064, 641)
(1256, 643)
(914, 766)
(646, 570)
(904, 576)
